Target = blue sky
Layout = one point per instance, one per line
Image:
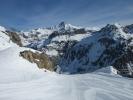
(27, 14)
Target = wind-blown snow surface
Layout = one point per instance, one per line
(21, 80)
(14, 68)
(69, 87)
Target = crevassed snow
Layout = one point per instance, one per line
(21, 80)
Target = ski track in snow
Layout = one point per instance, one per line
(52, 86)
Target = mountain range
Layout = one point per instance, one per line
(65, 48)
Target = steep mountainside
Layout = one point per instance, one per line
(128, 29)
(110, 46)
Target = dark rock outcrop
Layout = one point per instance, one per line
(41, 59)
(80, 31)
(14, 37)
(124, 63)
(128, 29)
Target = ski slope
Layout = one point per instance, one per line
(21, 80)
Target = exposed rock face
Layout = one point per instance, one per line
(14, 37)
(124, 64)
(63, 27)
(128, 29)
(80, 31)
(41, 59)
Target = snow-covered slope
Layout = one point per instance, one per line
(5, 41)
(110, 46)
(22, 80)
(69, 87)
(14, 68)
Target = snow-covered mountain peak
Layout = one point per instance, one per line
(63, 26)
(117, 25)
(111, 27)
(114, 30)
(2, 28)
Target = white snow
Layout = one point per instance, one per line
(2, 28)
(52, 52)
(21, 80)
(5, 41)
(77, 37)
(69, 87)
(93, 28)
(14, 68)
(110, 70)
(35, 34)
